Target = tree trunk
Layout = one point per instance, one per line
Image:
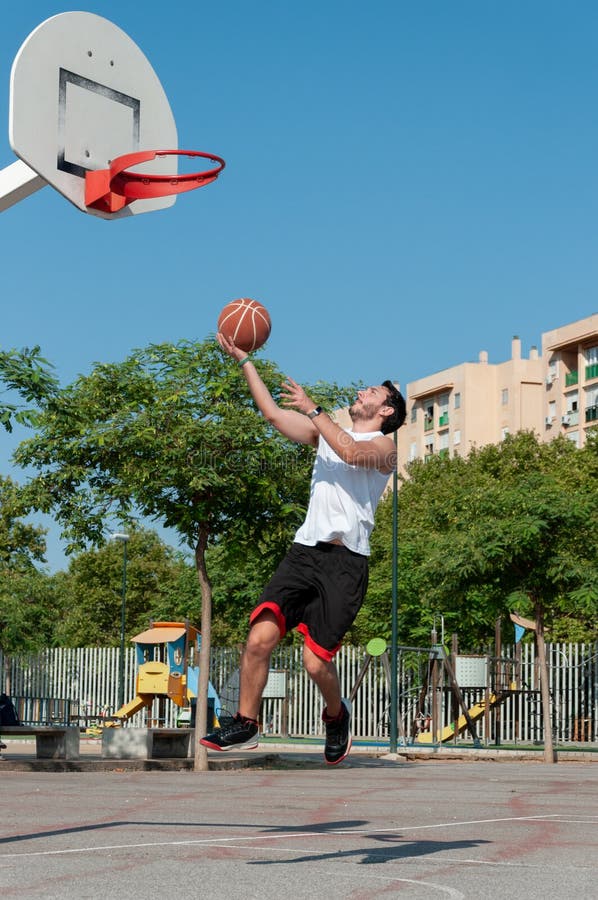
(201, 709)
(549, 756)
(7, 688)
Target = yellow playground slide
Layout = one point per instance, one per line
(476, 712)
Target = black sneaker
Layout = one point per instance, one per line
(236, 734)
(338, 735)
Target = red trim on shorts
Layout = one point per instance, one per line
(328, 655)
(273, 607)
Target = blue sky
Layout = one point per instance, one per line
(406, 185)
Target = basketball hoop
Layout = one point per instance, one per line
(111, 189)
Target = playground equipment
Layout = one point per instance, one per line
(376, 648)
(474, 713)
(494, 674)
(167, 666)
(441, 696)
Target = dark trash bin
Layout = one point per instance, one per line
(8, 713)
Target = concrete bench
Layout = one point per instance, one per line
(51, 741)
(147, 743)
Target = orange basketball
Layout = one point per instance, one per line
(246, 322)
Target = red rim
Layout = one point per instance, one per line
(111, 189)
(139, 186)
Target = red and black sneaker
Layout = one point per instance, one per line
(338, 734)
(236, 734)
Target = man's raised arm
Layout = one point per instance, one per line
(293, 425)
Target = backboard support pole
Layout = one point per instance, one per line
(17, 182)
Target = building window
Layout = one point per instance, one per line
(573, 436)
(591, 362)
(457, 436)
(503, 433)
(553, 370)
(443, 443)
(504, 396)
(413, 414)
(571, 416)
(413, 451)
(591, 401)
(429, 417)
(457, 400)
(443, 410)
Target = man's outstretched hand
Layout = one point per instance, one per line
(293, 395)
(229, 347)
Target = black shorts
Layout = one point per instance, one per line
(319, 591)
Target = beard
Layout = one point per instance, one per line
(361, 411)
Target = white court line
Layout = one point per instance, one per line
(440, 859)
(575, 822)
(452, 892)
(558, 867)
(444, 824)
(239, 839)
(589, 820)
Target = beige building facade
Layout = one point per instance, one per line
(551, 392)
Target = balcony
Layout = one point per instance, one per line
(443, 420)
(572, 378)
(592, 371)
(570, 418)
(591, 413)
(428, 423)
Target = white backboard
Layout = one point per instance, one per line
(81, 94)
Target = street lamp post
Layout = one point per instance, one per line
(123, 538)
(394, 691)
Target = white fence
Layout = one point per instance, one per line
(89, 678)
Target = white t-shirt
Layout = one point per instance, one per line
(343, 499)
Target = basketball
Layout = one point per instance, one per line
(246, 322)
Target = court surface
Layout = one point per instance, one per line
(371, 828)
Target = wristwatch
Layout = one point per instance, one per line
(315, 412)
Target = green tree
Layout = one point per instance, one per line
(90, 592)
(171, 434)
(28, 604)
(28, 375)
(512, 526)
(21, 543)
(26, 595)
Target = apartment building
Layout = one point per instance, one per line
(571, 356)
(477, 403)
